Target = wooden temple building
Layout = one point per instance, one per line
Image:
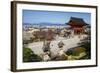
(77, 24)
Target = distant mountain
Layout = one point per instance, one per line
(45, 24)
(49, 24)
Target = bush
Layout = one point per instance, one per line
(26, 53)
(34, 58)
(69, 52)
(75, 51)
(29, 56)
(86, 43)
(78, 50)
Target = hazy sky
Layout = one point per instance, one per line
(33, 16)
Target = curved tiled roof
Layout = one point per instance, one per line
(78, 21)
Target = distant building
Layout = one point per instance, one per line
(77, 24)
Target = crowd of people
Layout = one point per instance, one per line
(47, 51)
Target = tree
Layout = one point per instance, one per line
(29, 56)
(86, 43)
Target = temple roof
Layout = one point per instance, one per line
(78, 21)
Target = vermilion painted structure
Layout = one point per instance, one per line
(77, 24)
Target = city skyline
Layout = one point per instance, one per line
(37, 16)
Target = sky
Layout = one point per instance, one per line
(36, 16)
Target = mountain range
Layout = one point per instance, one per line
(45, 24)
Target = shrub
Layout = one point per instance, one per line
(69, 52)
(34, 58)
(29, 56)
(86, 43)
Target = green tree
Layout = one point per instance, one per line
(86, 43)
(29, 56)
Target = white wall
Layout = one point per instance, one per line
(5, 37)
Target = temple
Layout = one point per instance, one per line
(77, 24)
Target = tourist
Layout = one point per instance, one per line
(46, 47)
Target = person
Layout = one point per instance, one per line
(60, 44)
(61, 54)
(46, 57)
(46, 47)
